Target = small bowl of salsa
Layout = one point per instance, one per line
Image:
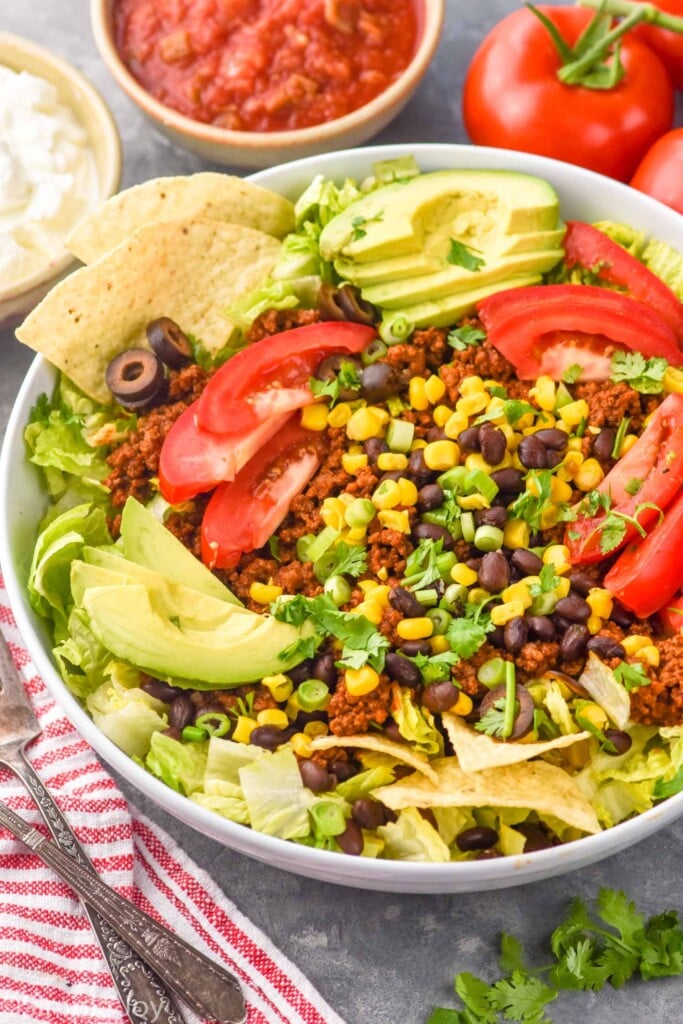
(251, 83)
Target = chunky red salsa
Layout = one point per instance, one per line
(265, 65)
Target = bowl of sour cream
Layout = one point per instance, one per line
(60, 154)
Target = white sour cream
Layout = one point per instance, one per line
(47, 174)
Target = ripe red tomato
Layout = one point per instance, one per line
(513, 98)
(660, 172)
(667, 45)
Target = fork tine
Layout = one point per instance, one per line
(18, 722)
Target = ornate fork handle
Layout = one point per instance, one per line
(206, 987)
(143, 995)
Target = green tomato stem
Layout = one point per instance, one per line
(651, 14)
(573, 73)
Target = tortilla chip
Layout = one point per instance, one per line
(476, 751)
(535, 785)
(190, 271)
(399, 751)
(207, 195)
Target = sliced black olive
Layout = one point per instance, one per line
(330, 367)
(525, 714)
(135, 377)
(344, 302)
(169, 342)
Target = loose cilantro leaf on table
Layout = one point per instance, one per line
(644, 375)
(461, 255)
(461, 338)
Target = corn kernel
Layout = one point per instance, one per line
(529, 737)
(574, 412)
(415, 629)
(575, 444)
(340, 415)
(301, 744)
(594, 714)
(519, 592)
(463, 705)
(557, 555)
(363, 424)
(435, 389)
(563, 586)
(383, 573)
(503, 613)
(439, 644)
(393, 519)
(360, 681)
(390, 461)
(332, 513)
(495, 411)
(441, 455)
(544, 420)
(594, 624)
(549, 516)
(244, 727)
(455, 425)
(649, 654)
(673, 380)
(468, 502)
(570, 466)
(461, 573)
(315, 728)
(441, 415)
(634, 643)
(544, 393)
(589, 474)
(273, 716)
(380, 595)
(516, 534)
(525, 423)
(314, 417)
(417, 394)
(477, 595)
(280, 686)
(367, 586)
(408, 491)
(560, 491)
(600, 602)
(470, 405)
(387, 495)
(627, 444)
(353, 464)
(293, 708)
(264, 593)
(471, 385)
(355, 535)
(418, 443)
(371, 611)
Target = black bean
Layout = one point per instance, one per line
(303, 670)
(509, 481)
(604, 444)
(622, 616)
(374, 447)
(573, 608)
(160, 690)
(440, 696)
(528, 563)
(313, 775)
(392, 731)
(600, 645)
(392, 474)
(429, 497)
(553, 438)
(616, 651)
(181, 712)
(432, 531)
(516, 633)
(536, 838)
(479, 837)
(493, 444)
(411, 648)
(496, 516)
(494, 572)
(379, 381)
(401, 670)
(553, 459)
(581, 583)
(562, 624)
(573, 643)
(436, 434)
(541, 628)
(469, 440)
(406, 603)
(496, 637)
(532, 452)
(418, 469)
(367, 813)
(351, 839)
(270, 737)
(620, 740)
(343, 770)
(323, 668)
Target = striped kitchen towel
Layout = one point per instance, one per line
(51, 968)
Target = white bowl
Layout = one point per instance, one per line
(583, 195)
(76, 93)
(264, 149)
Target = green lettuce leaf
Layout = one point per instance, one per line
(417, 725)
(180, 765)
(276, 797)
(413, 838)
(126, 714)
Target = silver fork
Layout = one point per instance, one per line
(143, 995)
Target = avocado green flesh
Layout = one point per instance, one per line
(448, 310)
(241, 647)
(147, 542)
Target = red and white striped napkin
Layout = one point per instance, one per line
(51, 968)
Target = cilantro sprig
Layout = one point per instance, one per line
(643, 375)
(362, 641)
(346, 378)
(467, 336)
(606, 943)
(461, 255)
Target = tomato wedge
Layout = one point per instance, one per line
(545, 329)
(241, 516)
(647, 574)
(271, 376)
(193, 460)
(588, 247)
(656, 462)
(671, 616)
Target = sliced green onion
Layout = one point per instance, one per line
(312, 694)
(375, 351)
(428, 598)
(445, 562)
(468, 526)
(393, 332)
(510, 700)
(328, 818)
(193, 734)
(338, 588)
(454, 598)
(488, 538)
(478, 480)
(492, 673)
(453, 479)
(302, 546)
(543, 604)
(399, 435)
(441, 619)
(360, 513)
(322, 543)
(213, 722)
(620, 435)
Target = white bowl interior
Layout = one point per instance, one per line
(583, 195)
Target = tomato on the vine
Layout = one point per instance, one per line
(517, 94)
(666, 44)
(660, 172)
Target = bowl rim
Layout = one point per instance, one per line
(384, 875)
(433, 14)
(112, 159)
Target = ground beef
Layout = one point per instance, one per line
(274, 321)
(608, 403)
(187, 525)
(388, 549)
(349, 715)
(256, 697)
(661, 703)
(465, 672)
(409, 359)
(536, 658)
(480, 360)
(436, 348)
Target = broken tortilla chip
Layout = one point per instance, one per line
(207, 195)
(399, 751)
(476, 751)
(535, 785)
(190, 271)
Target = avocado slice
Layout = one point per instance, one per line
(147, 542)
(448, 310)
(476, 207)
(241, 647)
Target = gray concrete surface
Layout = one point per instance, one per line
(377, 958)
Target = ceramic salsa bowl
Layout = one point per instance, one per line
(583, 195)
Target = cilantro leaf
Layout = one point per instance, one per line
(362, 642)
(343, 560)
(493, 720)
(547, 581)
(533, 502)
(475, 995)
(422, 567)
(512, 409)
(631, 676)
(461, 255)
(467, 633)
(644, 375)
(435, 667)
(523, 998)
(572, 373)
(461, 338)
(633, 486)
(346, 378)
